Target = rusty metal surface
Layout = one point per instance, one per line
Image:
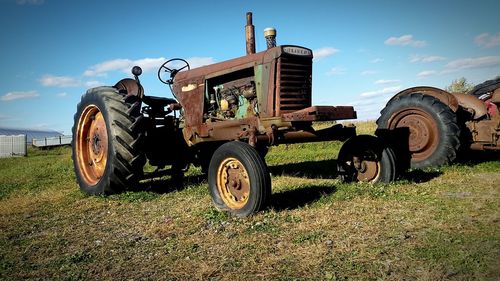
(321, 113)
(495, 98)
(474, 105)
(182, 78)
(424, 135)
(192, 101)
(131, 87)
(335, 132)
(221, 131)
(250, 35)
(268, 85)
(485, 133)
(439, 94)
(367, 169)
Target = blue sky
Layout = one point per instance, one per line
(365, 51)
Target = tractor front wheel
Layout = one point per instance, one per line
(238, 179)
(365, 158)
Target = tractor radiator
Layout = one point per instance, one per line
(294, 84)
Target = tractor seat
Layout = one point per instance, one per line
(157, 101)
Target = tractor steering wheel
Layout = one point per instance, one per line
(172, 71)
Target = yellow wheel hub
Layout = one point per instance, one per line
(233, 183)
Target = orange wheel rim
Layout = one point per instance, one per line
(233, 183)
(91, 144)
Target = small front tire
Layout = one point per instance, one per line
(365, 158)
(238, 179)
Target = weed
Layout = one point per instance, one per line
(309, 237)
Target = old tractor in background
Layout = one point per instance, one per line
(441, 125)
(224, 118)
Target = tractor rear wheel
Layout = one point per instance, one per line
(365, 158)
(433, 129)
(239, 179)
(107, 138)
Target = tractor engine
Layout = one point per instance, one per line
(233, 99)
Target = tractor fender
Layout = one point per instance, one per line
(131, 87)
(474, 105)
(448, 99)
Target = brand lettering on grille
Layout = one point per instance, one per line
(297, 51)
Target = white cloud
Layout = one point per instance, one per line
(62, 95)
(486, 40)
(369, 108)
(199, 61)
(385, 82)
(93, 84)
(384, 91)
(362, 102)
(59, 81)
(147, 65)
(425, 58)
(405, 40)
(30, 2)
(324, 52)
(377, 60)
(472, 63)
(426, 73)
(101, 69)
(336, 71)
(19, 95)
(369, 72)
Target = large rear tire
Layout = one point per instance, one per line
(239, 179)
(433, 130)
(365, 158)
(107, 140)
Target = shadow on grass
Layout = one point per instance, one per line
(297, 198)
(327, 169)
(420, 176)
(324, 169)
(170, 184)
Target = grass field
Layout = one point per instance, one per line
(439, 224)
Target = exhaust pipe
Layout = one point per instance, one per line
(270, 35)
(250, 35)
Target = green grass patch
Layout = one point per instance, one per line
(431, 224)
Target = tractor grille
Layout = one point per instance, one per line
(294, 84)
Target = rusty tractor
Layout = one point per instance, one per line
(224, 118)
(440, 124)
